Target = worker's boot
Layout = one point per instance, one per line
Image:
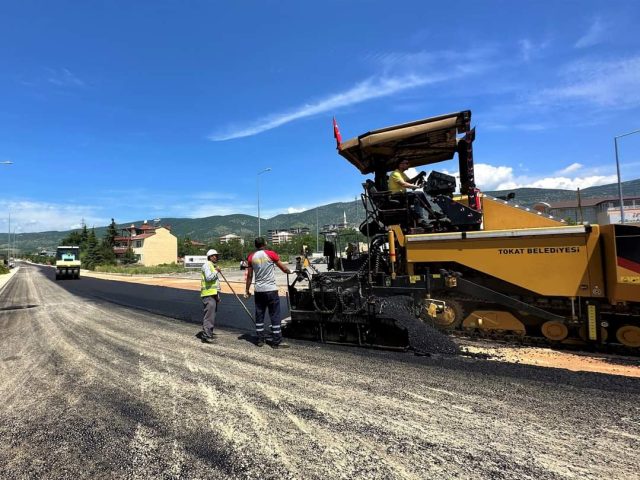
(205, 338)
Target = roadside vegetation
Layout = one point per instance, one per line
(234, 250)
(97, 254)
(166, 268)
(3, 270)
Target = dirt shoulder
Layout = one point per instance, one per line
(547, 357)
(235, 281)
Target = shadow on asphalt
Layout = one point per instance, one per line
(252, 339)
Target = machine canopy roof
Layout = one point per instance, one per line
(422, 142)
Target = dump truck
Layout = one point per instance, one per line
(67, 262)
(480, 264)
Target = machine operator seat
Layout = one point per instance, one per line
(391, 208)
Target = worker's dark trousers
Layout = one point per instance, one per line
(210, 306)
(271, 301)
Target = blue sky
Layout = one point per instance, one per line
(158, 109)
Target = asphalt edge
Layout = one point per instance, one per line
(4, 279)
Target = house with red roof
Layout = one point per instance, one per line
(151, 245)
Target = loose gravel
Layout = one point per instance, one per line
(90, 389)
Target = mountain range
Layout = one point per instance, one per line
(209, 228)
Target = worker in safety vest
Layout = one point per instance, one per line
(209, 288)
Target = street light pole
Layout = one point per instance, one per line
(615, 142)
(8, 162)
(9, 240)
(258, 177)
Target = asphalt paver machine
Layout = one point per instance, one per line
(479, 264)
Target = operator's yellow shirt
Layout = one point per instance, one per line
(395, 180)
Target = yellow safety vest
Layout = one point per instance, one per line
(208, 288)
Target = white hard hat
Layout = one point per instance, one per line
(212, 252)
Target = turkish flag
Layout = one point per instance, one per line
(336, 133)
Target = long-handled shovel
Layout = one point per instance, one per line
(241, 302)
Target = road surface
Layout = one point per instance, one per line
(95, 389)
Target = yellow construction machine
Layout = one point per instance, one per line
(478, 263)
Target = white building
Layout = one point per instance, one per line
(229, 237)
(276, 237)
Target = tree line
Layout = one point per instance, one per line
(94, 251)
(237, 250)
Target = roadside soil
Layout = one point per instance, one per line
(236, 280)
(551, 358)
(496, 351)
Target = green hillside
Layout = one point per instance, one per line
(530, 196)
(208, 228)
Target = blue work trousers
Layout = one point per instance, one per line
(270, 301)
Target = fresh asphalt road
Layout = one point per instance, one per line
(91, 388)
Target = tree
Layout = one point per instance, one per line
(107, 254)
(93, 256)
(294, 246)
(73, 238)
(105, 250)
(84, 237)
(186, 247)
(111, 234)
(231, 250)
(129, 257)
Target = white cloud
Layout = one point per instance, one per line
(366, 90)
(611, 84)
(295, 210)
(469, 60)
(400, 72)
(64, 78)
(571, 168)
(31, 216)
(567, 183)
(490, 177)
(596, 34)
(200, 211)
(524, 126)
(530, 50)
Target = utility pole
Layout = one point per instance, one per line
(615, 142)
(258, 181)
(317, 232)
(9, 239)
(12, 245)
